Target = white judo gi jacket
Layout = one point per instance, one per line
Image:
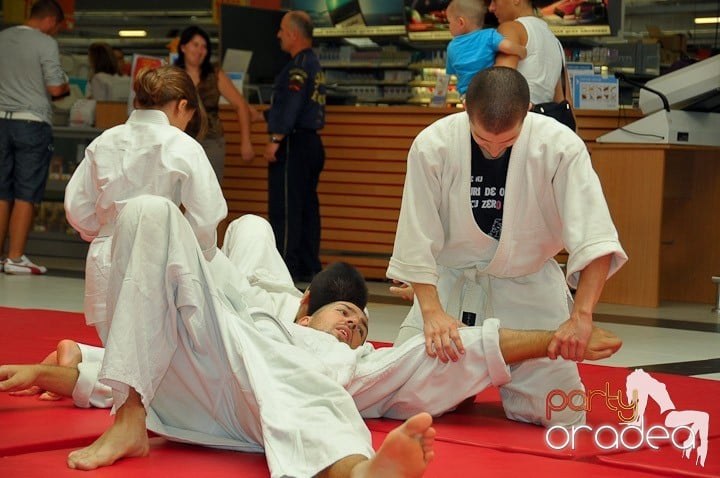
(553, 200)
(146, 155)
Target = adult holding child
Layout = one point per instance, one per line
(194, 53)
(543, 67)
(473, 48)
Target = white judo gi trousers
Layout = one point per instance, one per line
(250, 263)
(205, 373)
(536, 301)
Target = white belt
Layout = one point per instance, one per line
(471, 289)
(20, 115)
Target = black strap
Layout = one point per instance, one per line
(562, 70)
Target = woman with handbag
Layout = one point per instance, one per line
(544, 66)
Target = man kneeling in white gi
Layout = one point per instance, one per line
(193, 363)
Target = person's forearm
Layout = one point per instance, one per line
(519, 345)
(427, 297)
(243, 113)
(509, 48)
(590, 286)
(57, 379)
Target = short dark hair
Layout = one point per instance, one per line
(339, 281)
(302, 21)
(497, 98)
(47, 8)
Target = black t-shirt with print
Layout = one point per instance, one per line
(487, 190)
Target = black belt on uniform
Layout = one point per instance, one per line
(303, 130)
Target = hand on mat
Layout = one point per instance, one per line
(402, 289)
(602, 344)
(570, 340)
(442, 338)
(34, 390)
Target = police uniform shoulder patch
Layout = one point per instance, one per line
(296, 79)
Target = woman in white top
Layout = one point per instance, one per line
(543, 64)
(148, 155)
(106, 82)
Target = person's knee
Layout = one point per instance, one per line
(148, 207)
(68, 353)
(250, 227)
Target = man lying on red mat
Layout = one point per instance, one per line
(196, 364)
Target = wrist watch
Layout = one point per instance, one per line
(275, 139)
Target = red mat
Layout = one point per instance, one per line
(166, 458)
(476, 436)
(451, 460)
(664, 459)
(483, 423)
(30, 334)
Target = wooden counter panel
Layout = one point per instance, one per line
(690, 237)
(660, 198)
(636, 219)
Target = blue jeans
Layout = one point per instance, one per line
(25, 151)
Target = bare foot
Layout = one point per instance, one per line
(126, 438)
(405, 453)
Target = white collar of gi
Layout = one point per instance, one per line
(148, 116)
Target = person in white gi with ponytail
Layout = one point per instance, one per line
(491, 195)
(149, 154)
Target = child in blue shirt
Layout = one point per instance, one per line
(473, 48)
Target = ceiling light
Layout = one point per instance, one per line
(132, 33)
(707, 20)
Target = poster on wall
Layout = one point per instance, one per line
(140, 62)
(595, 92)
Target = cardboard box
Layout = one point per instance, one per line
(109, 114)
(677, 42)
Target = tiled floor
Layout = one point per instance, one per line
(674, 338)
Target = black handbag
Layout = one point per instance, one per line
(561, 110)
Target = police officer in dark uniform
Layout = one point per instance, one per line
(295, 151)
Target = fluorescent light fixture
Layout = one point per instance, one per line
(132, 33)
(706, 20)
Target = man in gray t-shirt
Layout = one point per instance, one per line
(30, 76)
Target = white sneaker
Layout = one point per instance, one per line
(25, 266)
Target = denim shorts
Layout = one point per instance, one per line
(26, 148)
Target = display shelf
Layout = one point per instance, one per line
(370, 83)
(426, 101)
(365, 64)
(56, 244)
(49, 236)
(427, 83)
